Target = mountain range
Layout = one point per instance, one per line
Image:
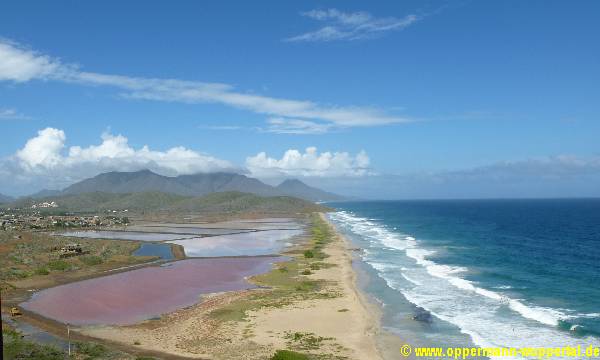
(230, 202)
(189, 185)
(5, 199)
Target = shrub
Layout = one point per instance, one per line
(309, 254)
(21, 274)
(91, 260)
(92, 350)
(306, 272)
(15, 347)
(306, 286)
(42, 271)
(60, 265)
(288, 355)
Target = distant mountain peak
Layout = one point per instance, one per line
(299, 189)
(288, 182)
(194, 185)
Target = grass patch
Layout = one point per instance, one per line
(309, 254)
(305, 341)
(92, 350)
(289, 355)
(91, 260)
(42, 271)
(59, 265)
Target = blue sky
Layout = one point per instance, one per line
(421, 98)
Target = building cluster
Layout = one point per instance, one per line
(16, 221)
(45, 204)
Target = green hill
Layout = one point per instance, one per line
(214, 203)
(238, 202)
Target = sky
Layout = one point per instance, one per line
(386, 100)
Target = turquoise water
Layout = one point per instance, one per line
(155, 249)
(493, 272)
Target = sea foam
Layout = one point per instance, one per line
(490, 318)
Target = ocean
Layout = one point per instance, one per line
(510, 273)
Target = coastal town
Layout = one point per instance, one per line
(11, 220)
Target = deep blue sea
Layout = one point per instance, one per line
(515, 273)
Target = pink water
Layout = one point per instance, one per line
(136, 295)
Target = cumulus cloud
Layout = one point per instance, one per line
(311, 163)
(341, 25)
(18, 64)
(45, 157)
(42, 151)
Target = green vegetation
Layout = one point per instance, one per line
(91, 260)
(92, 350)
(289, 355)
(42, 271)
(286, 284)
(15, 347)
(309, 254)
(231, 202)
(36, 254)
(60, 265)
(305, 341)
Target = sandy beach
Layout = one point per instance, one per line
(341, 325)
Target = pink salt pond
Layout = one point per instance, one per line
(137, 295)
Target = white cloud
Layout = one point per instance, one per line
(18, 64)
(311, 163)
(351, 26)
(42, 151)
(45, 155)
(11, 114)
(296, 126)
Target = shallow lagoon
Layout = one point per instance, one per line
(155, 249)
(141, 294)
(187, 230)
(245, 244)
(125, 235)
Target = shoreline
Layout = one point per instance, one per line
(387, 344)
